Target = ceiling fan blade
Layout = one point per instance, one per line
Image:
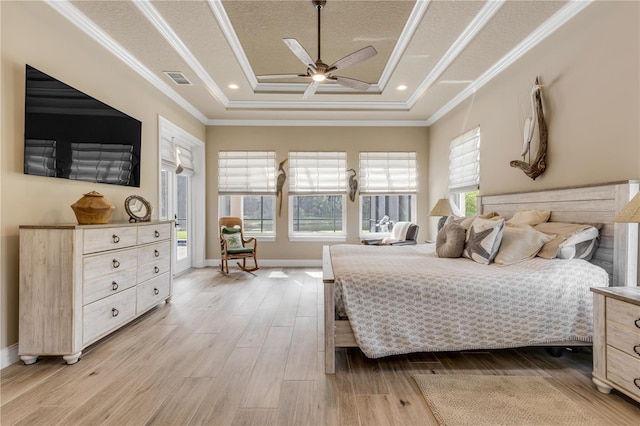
(300, 52)
(353, 58)
(310, 90)
(277, 76)
(351, 82)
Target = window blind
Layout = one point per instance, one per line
(241, 172)
(464, 162)
(168, 153)
(317, 172)
(185, 160)
(388, 172)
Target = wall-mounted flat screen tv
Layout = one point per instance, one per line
(68, 134)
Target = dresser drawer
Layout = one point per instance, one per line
(626, 314)
(153, 269)
(108, 263)
(624, 338)
(153, 292)
(102, 239)
(154, 252)
(152, 233)
(108, 314)
(107, 285)
(624, 371)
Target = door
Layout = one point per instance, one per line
(175, 196)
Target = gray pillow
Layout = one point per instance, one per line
(450, 240)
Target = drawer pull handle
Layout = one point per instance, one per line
(116, 264)
(115, 239)
(637, 382)
(156, 253)
(156, 269)
(156, 234)
(156, 291)
(114, 285)
(637, 322)
(114, 312)
(636, 349)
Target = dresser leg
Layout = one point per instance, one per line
(602, 386)
(29, 359)
(73, 358)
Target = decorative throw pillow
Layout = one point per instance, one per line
(232, 235)
(520, 243)
(483, 240)
(529, 217)
(466, 221)
(450, 241)
(572, 238)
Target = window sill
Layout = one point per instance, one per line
(317, 238)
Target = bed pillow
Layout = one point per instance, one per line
(520, 243)
(529, 217)
(573, 240)
(232, 235)
(466, 221)
(483, 239)
(450, 241)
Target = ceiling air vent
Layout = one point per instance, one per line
(177, 77)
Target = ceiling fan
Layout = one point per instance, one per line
(318, 71)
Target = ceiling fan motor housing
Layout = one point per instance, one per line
(319, 3)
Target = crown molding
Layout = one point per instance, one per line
(475, 26)
(565, 14)
(319, 123)
(156, 19)
(80, 20)
(319, 105)
(227, 29)
(301, 87)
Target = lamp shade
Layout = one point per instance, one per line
(631, 212)
(442, 208)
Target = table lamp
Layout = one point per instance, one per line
(443, 209)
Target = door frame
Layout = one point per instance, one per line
(168, 130)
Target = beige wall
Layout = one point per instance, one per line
(590, 69)
(34, 33)
(285, 139)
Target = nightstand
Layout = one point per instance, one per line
(616, 340)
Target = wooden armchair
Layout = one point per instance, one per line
(233, 245)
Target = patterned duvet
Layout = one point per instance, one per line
(402, 299)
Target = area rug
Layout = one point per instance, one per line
(498, 400)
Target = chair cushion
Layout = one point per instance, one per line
(240, 250)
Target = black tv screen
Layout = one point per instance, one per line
(68, 134)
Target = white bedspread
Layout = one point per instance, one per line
(402, 299)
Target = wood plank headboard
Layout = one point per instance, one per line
(618, 250)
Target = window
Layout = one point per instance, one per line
(317, 185)
(246, 188)
(388, 186)
(464, 171)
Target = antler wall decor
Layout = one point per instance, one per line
(535, 169)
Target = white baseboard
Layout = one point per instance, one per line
(9, 355)
(276, 263)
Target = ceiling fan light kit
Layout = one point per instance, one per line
(318, 71)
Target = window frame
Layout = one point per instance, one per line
(318, 236)
(260, 236)
(377, 235)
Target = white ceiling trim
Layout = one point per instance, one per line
(409, 29)
(301, 87)
(156, 19)
(316, 123)
(80, 20)
(560, 18)
(302, 104)
(232, 39)
(479, 21)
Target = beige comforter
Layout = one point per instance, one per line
(407, 299)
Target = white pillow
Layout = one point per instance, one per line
(580, 245)
(529, 217)
(483, 240)
(520, 243)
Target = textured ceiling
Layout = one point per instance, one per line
(440, 50)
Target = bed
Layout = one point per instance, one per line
(406, 299)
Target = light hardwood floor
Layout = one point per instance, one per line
(246, 349)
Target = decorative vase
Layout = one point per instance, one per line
(93, 208)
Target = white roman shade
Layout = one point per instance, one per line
(388, 172)
(464, 162)
(168, 153)
(242, 172)
(317, 172)
(185, 160)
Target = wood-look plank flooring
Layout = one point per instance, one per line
(247, 349)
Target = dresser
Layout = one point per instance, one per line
(79, 283)
(616, 340)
